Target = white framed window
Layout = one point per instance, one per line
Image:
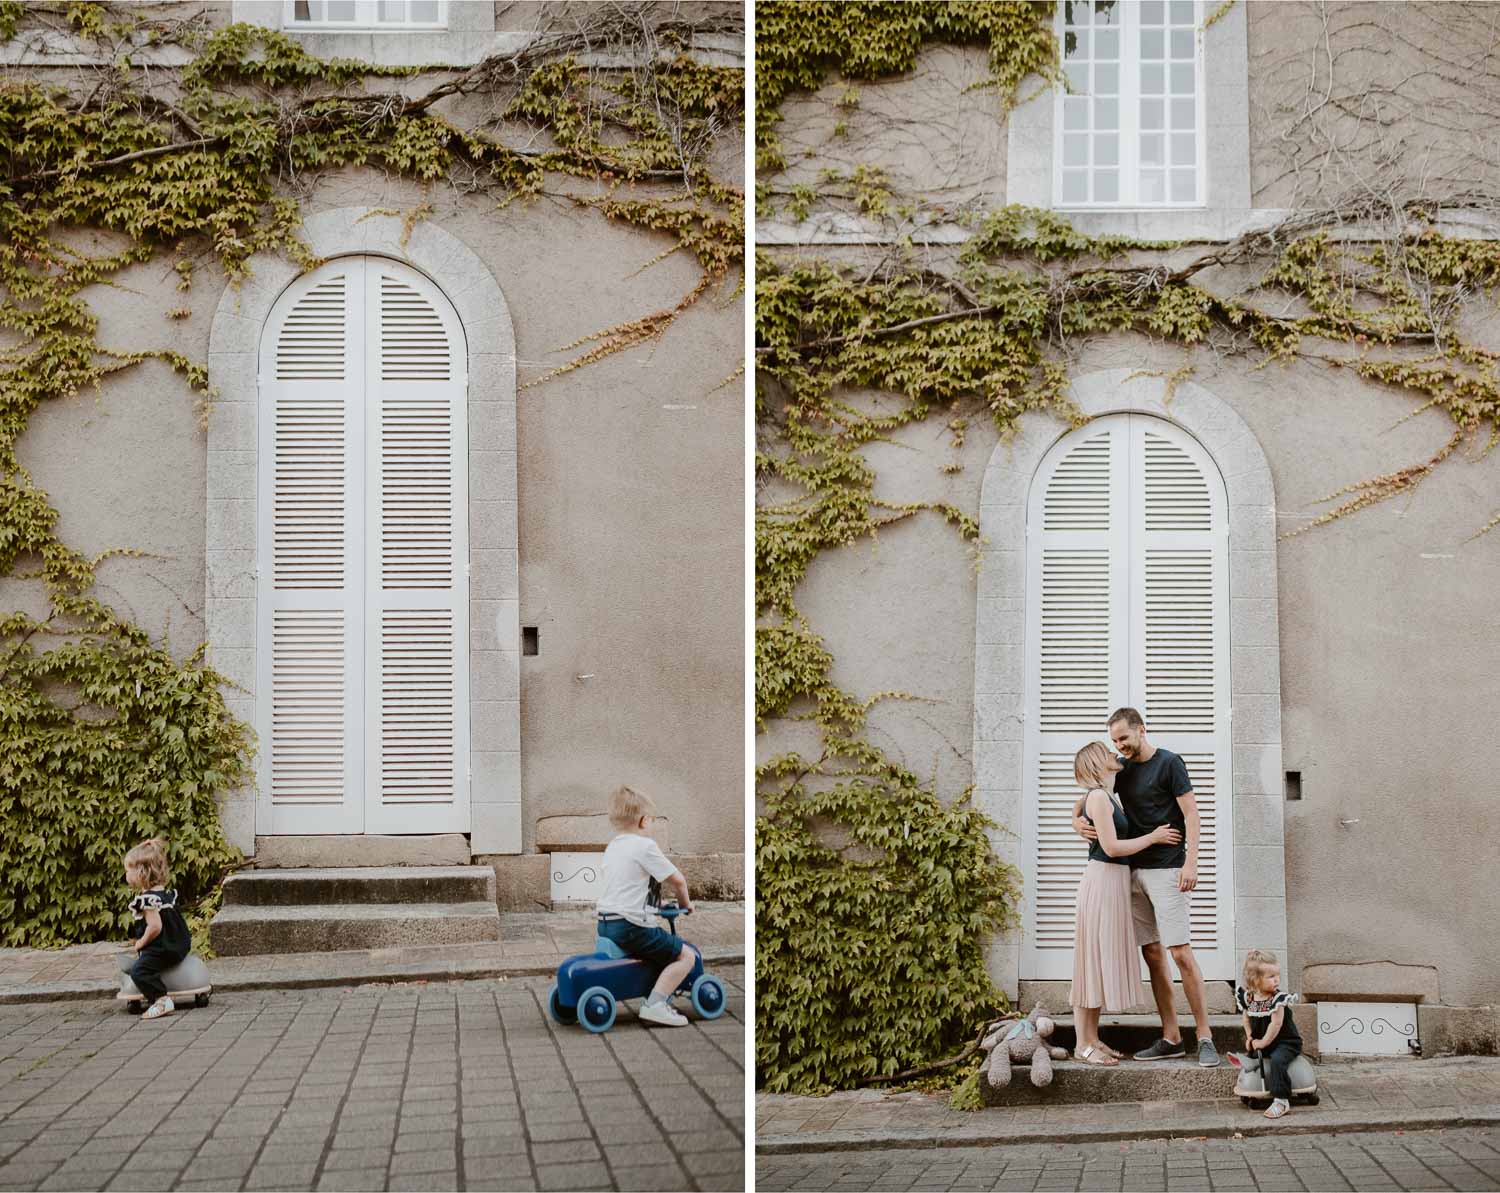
(1130, 122)
(366, 14)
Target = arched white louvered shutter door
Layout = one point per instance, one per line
(1076, 664)
(417, 551)
(310, 570)
(1179, 648)
(1127, 604)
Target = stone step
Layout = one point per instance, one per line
(245, 929)
(1075, 1083)
(1054, 996)
(360, 884)
(1129, 1033)
(441, 849)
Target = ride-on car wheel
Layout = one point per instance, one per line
(567, 1016)
(708, 996)
(596, 1009)
(200, 1000)
(135, 1007)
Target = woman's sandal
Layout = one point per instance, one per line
(1098, 1056)
(1114, 1052)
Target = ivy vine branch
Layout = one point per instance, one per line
(108, 737)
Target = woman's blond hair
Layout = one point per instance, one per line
(1091, 765)
(148, 862)
(1256, 963)
(626, 807)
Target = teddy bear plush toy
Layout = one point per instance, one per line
(1022, 1043)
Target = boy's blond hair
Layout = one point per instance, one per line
(1091, 765)
(1256, 961)
(148, 862)
(626, 807)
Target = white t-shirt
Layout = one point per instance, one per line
(630, 862)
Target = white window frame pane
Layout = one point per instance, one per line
(1129, 106)
(366, 19)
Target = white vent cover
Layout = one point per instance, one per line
(1367, 1028)
(577, 878)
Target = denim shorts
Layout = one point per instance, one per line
(646, 944)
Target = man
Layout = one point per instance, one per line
(1155, 789)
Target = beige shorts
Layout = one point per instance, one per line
(1159, 909)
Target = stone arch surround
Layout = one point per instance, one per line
(230, 540)
(1255, 671)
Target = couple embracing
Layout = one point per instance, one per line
(1140, 819)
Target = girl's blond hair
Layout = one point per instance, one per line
(1091, 765)
(626, 807)
(148, 862)
(1256, 961)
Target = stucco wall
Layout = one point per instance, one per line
(630, 479)
(1389, 620)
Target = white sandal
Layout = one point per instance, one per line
(1277, 1108)
(162, 1006)
(1087, 1056)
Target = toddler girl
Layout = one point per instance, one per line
(1270, 1031)
(158, 931)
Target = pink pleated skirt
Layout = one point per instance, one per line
(1106, 961)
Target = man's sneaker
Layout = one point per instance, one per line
(1208, 1055)
(1162, 1050)
(663, 1013)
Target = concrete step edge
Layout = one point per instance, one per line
(360, 884)
(304, 978)
(270, 913)
(1211, 1125)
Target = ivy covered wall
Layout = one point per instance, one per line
(593, 216)
(905, 324)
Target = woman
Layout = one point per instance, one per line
(1106, 966)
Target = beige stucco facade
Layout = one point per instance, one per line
(609, 499)
(1375, 669)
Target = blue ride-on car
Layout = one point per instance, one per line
(590, 987)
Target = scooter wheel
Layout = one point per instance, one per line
(708, 996)
(567, 1016)
(1244, 1101)
(1312, 1099)
(596, 1009)
(200, 1000)
(135, 1006)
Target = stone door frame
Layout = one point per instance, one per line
(230, 540)
(1259, 864)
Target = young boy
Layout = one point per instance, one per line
(631, 861)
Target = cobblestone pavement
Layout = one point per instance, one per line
(1460, 1158)
(531, 942)
(465, 1085)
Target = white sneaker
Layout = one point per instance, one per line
(663, 1013)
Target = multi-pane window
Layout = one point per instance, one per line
(366, 14)
(1130, 122)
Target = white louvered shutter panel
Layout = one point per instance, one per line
(1076, 666)
(1127, 604)
(417, 551)
(1179, 637)
(310, 568)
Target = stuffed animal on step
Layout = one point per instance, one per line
(1022, 1043)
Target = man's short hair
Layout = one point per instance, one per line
(1128, 715)
(626, 807)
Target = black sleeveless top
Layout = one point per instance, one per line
(174, 937)
(1122, 831)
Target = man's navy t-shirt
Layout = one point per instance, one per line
(1149, 791)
